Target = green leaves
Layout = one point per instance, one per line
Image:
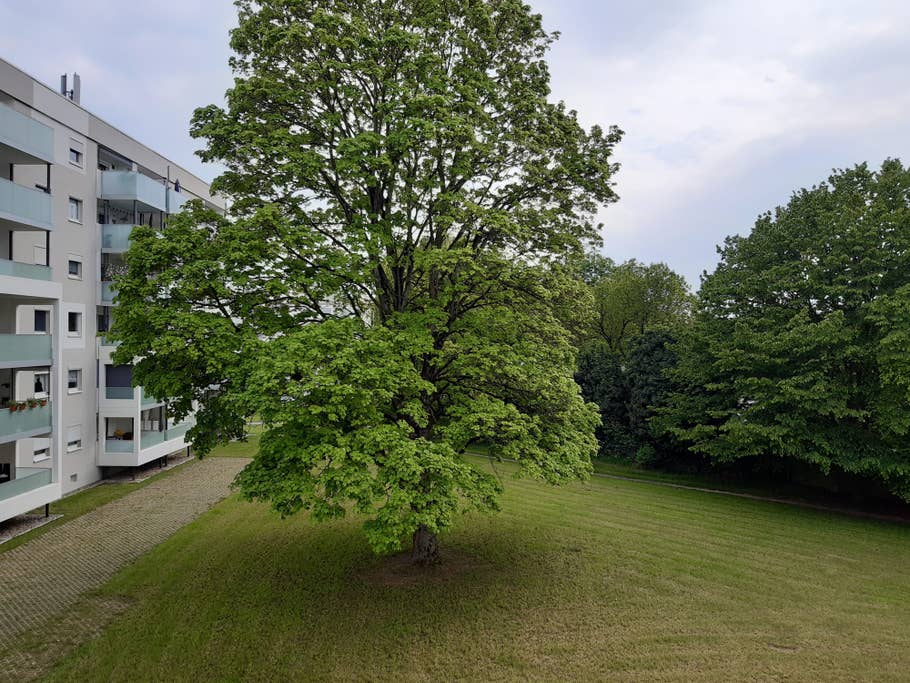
(381, 294)
(800, 342)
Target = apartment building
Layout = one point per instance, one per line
(71, 188)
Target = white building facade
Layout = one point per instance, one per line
(71, 189)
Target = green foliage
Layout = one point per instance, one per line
(799, 346)
(628, 392)
(633, 297)
(386, 291)
(602, 380)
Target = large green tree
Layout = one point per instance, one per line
(800, 343)
(381, 293)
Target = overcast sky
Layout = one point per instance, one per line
(727, 106)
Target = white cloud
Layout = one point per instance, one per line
(709, 94)
(727, 107)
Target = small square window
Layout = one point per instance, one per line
(74, 269)
(74, 381)
(75, 210)
(75, 157)
(41, 454)
(74, 323)
(41, 320)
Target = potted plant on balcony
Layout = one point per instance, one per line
(32, 402)
(42, 402)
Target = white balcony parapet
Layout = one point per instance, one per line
(23, 350)
(27, 479)
(25, 206)
(133, 186)
(27, 135)
(23, 423)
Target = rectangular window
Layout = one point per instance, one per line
(73, 438)
(74, 269)
(75, 210)
(74, 324)
(42, 384)
(75, 157)
(41, 320)
(41, 454)
(74, 381)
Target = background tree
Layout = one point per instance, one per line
(382, 294)
(633, 297)
(799, 345)
(637, 310)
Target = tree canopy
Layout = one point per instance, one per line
(799, 343)
(634, 297)
(382, 292)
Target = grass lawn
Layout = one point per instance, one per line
(604, 580)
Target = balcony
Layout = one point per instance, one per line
(112, 445)
(116, 237)
(25, 350)
(24, 423)
(130, 186)
(153, 438)
(33, 140)
(25, 207)
(108, 292)
(32, 271)
(148, 400)
(176, 200)
(27, 479)
(119, 393)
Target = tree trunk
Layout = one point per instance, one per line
(426, 546)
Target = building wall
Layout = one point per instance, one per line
(73, 126)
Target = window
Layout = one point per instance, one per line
(41, 320)
(74, 438)
(74, 381)
(74, 323)
(74, 268)
(42, 450)
(77, 153)
(42, 384)
(75, 210)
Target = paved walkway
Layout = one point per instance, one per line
(43, 577)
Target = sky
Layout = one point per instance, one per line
(727, 106)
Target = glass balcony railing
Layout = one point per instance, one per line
(16, 269)
(116, 237)
(27, 479)
(27, 135)
(25, 349)
(176, 200)
(148, 400)
(119, 393)
(112, 445)
(25, 205)
(33, 420)
(108, 292)
(153, 438)
(132, 186)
